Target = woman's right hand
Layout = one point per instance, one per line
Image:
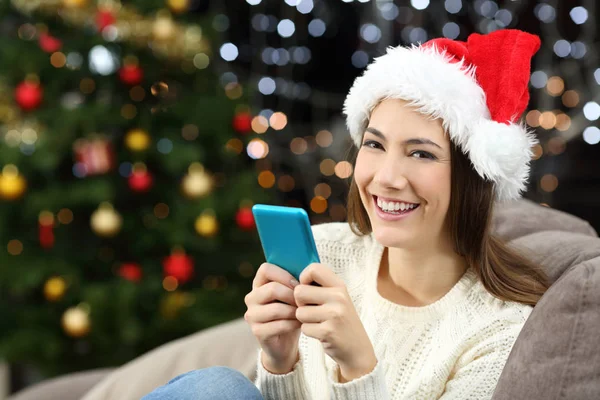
(272, 317)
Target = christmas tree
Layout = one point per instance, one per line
(128, 169)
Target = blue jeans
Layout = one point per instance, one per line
(215, 383)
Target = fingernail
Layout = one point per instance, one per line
(294, 283)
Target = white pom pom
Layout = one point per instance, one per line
(501, 153)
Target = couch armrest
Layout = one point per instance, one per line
(67, 387)
(230, 344)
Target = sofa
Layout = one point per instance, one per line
(557, 354)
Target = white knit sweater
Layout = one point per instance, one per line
(454, 348)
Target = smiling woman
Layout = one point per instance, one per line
(417, 299)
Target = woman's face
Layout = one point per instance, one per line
(404, 162)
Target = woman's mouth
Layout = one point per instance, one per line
(393, 210)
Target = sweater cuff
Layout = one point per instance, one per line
(370, 386)
(286, 386)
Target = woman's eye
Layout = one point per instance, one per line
(424, 154)
(371, 143)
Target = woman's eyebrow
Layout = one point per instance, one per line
(417, 140)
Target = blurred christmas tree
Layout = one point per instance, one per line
(127, 173)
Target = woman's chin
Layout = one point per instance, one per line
(391, 237)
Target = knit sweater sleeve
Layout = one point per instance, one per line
(368, 387)
(290, 386)
(477, 372)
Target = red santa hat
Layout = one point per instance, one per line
(479, 88)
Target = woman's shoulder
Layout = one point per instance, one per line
(498, 309)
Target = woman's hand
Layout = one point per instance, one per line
(272, 317)
(328, 314)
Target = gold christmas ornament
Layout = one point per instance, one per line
(206, 225)
(137, 140)
(12, 184)
(76, 322)
(105, 221)
(197, 183)
(164, 27)
(74, 3)
(173, 302)
(55, 288)
(178, 6)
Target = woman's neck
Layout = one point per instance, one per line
(421, 276)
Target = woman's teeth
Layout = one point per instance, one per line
(394, 207)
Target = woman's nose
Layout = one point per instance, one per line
(391, 173)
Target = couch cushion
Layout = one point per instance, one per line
(67, 387)
(231, 344)
(557, 251)
(521, 217)
(557, 354)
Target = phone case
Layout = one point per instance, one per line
(286, 237)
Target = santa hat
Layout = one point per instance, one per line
(479, 88)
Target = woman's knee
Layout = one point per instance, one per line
(220, 382)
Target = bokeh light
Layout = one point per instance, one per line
(327, 167)
(257, 148)
(298, 145)
(343, 169)
(286, 183)
(278, 121)
(324, 138)
(318, 204)
(549, 183)
(259, 124)
(266, 179)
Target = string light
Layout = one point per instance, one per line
(278, 121)
(259, 124)
(229, 52)
(266, 179)
(343, 169)
(14, 247)
(318, 204)
(257, 148)
(555, 86)
(323, 190)
(591, 135)
(286, 183)
(298, 145)
(591, 110)
(549, 183)
(324, 138)
(327, 167)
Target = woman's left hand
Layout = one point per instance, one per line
(328, 314)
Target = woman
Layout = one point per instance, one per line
(417, 299)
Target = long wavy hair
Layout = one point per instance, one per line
(504, 272)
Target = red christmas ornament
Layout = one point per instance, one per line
(180, 266)
(130, 271)
(140, 181)
(104, 18)
(49, 43)
(131, 74)
(242, 122)
(28, 95)
(46, 232)
(245, 219)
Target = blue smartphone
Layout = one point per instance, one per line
(286, 237)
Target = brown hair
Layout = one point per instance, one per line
(505, 273)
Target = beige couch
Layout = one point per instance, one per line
(557, 354)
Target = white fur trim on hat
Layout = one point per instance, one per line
(427, 79)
